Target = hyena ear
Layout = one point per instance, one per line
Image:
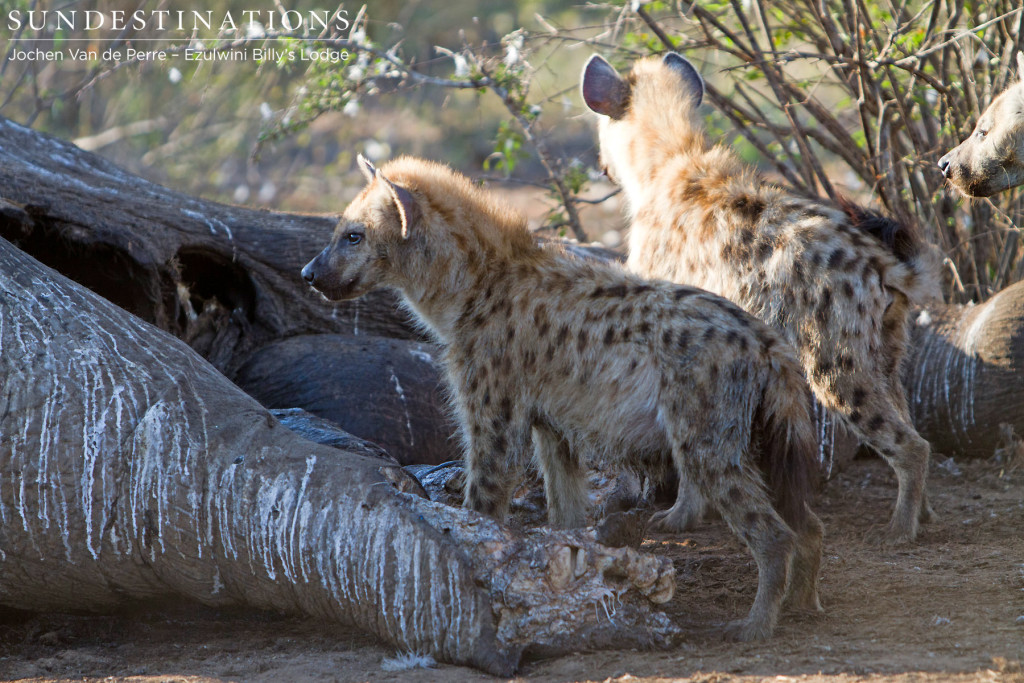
(692, 82)
(603, 90)
(408, 210)
(1020, 66)
(367, 167)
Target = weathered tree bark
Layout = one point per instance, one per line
(223, 278)
(226, 280)
(966, 375)
(387, 391)
(131, 469)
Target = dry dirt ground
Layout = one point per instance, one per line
(949, 609)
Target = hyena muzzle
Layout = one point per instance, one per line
(992, 158)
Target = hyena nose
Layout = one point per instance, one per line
(308, 273)
(944, 166)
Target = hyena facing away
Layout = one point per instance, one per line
(836, 278)
(542, 347)
(992, 158)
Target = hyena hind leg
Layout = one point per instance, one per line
(898, 396)
(880, 420)
(565, 478)
(739, 495)
(803, 572)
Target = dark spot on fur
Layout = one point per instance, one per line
(563, 335)
(581, 341)
(619, 290)
(683, 292)
(609, 335)
(836, 258)
(748, 207)
(486, 400)
(640, 289)
(876, 423)
(683, 340)
(666, 337)
(709, 334)
(626, 311)
(858, 396)
(644, 328)
(855, 416)
(847, 289)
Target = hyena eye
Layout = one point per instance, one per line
(354, 238)
(981, 133)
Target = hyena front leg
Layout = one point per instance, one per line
(496, 454)
(565, 481)
(685, 513)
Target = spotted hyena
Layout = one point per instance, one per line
(992, 159)
(573, 356)
(836, 278)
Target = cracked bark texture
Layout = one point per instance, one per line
(130, 469)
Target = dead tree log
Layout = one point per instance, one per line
(387, 391)
(223, 278)
(130, 469)
(966, 374)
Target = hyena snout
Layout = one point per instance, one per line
(314, 270)
(944, 163)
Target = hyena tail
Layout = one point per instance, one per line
(919, 263)
(788, 444)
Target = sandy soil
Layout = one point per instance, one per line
(949, 609)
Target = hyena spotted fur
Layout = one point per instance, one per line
(569, 356)
(838, 279)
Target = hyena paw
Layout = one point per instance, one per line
(746, 630)
(678, 518)
(892, 536)
(927, 514)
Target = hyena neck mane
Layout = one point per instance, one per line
(663, 141)
(464, 237)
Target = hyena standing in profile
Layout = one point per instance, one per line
(541, 347)
(992, 158)
(836, 278)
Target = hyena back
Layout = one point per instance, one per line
(837, 279)
(578, 357)
(992, 158)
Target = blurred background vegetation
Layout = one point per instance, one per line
(833, 97)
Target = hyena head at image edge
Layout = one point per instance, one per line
(992, 158)
(836, 278)
(549, 356)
